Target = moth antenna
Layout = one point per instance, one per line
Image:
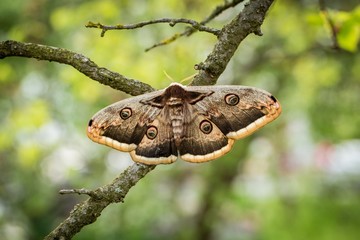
(169, 77)
(188, 78)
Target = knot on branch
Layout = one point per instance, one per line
(211, 73)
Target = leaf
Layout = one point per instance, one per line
(349, 34)
(349, 29)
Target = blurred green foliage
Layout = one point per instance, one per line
(298, 178)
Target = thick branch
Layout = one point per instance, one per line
(232, 34)
(88, 211)
(80, 62)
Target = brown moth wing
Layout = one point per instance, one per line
(158, 150)
(254, 109)
(198, 145)
(124, 132)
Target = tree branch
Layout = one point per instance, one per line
(219, 9)
(80, 62)
(172, 22)
(90, 193)
(246, 22)
(88, 211)
(189, 30)
(196, 26)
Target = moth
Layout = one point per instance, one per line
(194, 123)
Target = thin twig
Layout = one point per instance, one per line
(189, 31)
(172, 22)
(78, 191)
(195, 26)
(171, 39)
(219, 9)
(331, 24)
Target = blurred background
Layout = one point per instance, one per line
(297, 178)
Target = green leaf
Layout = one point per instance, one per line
(348, 36)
